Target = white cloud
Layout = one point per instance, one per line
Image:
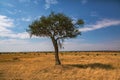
(16, 45)
(23, 1)
(28, 19)
(50, 2)
(10, 12)
(36, 1)
(83, 1)
(22, 35)
(100, 24)
(74, 20)
(78, 45)
(9, 4)
(94, 14)
(6, 24)
(14, 11)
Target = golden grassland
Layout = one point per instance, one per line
(75, 66)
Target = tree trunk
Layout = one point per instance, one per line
(55, 44)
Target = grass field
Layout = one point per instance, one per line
(75, 66)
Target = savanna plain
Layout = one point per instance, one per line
(75, 66)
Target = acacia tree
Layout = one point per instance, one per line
(57, 27)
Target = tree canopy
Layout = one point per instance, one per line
(57, 27)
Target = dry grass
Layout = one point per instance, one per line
(76, 66)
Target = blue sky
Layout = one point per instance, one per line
(101, 30)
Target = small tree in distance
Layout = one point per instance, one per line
(57, 27)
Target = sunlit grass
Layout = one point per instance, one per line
(75, 66)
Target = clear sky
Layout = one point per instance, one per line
(100, 32)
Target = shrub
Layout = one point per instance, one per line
(115, 54)
(97, 54)
(16, 58)
(87, 54)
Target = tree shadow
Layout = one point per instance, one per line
(93, 66)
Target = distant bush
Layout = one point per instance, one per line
(76, 54)
(16, 58)
(97, 54)
(24, 53)
(62, 54)
(46, 53)
(87, 54)
(115, 54)
(82, 57)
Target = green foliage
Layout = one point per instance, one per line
(58, 26)
(79, 22)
